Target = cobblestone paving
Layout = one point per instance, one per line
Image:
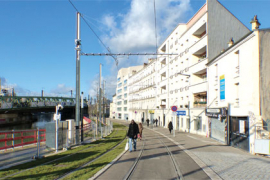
(228, 162)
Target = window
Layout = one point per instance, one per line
(125, 102)
(119, 97)
(118, 79)
(119, 91)
(120, 84)
(125, 88)
(125, 81)
(125, 108)
(125, 95)
(119, 102)
(119, 109)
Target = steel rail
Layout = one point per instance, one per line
(179, 174)
(130, 172)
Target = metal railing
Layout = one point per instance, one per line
(17, 102)
(12, 139)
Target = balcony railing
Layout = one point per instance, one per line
(200, 104)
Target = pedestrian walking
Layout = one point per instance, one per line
(170, 126)
(147, 121)
(132, 134)
(142, 120)
(156, 122)
(140, 131)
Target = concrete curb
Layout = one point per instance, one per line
(107, 166)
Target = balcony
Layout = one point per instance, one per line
(199, 87)
(199, 46)
(164, 95)
(200, 104)
(163, 83)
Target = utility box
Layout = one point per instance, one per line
(51, 134)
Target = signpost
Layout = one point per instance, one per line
(174, 109)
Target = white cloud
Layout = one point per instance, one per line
(110, 86)
(135, 30)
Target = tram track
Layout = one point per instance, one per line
(170, 154)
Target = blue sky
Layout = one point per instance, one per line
(37, 38)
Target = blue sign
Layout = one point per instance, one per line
(181, 113)
(222, 87)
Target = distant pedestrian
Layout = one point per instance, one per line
(147, 121)
(156, 122)
(132, 134)
(142, 120)
(140, 131)
(170, 126)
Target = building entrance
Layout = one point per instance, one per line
(239, 132)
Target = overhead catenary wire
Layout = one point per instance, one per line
(107, 48)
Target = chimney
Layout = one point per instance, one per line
(231, 42)
(255, 23)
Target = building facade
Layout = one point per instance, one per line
(235, 80)
(214, 83)
(122, 92)
(143, 92)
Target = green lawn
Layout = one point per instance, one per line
(84, 154)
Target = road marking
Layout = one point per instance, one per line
(212, 174)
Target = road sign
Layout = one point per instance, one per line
(174, 108)
(56, 116)
(181, 113)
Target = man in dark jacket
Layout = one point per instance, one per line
(133, 131)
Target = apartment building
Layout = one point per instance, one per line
(217, 77)
(182, 78)
(122, 91)
(143, 92)
(113, 107)
(238, 81)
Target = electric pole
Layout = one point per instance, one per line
(78, 49)
(100, 99)
(104, 108)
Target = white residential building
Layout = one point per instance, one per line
(238, 81)
(217, 90)
(122, 92)
(143, 92)
(113, 107)
(182, 79)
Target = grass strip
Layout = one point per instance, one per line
(90, 170)
(66, 164)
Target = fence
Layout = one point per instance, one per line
(12, 139)
(66, 136)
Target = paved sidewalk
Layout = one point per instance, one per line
(226, 161)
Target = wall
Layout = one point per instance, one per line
(264, 46)
(222, 26)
